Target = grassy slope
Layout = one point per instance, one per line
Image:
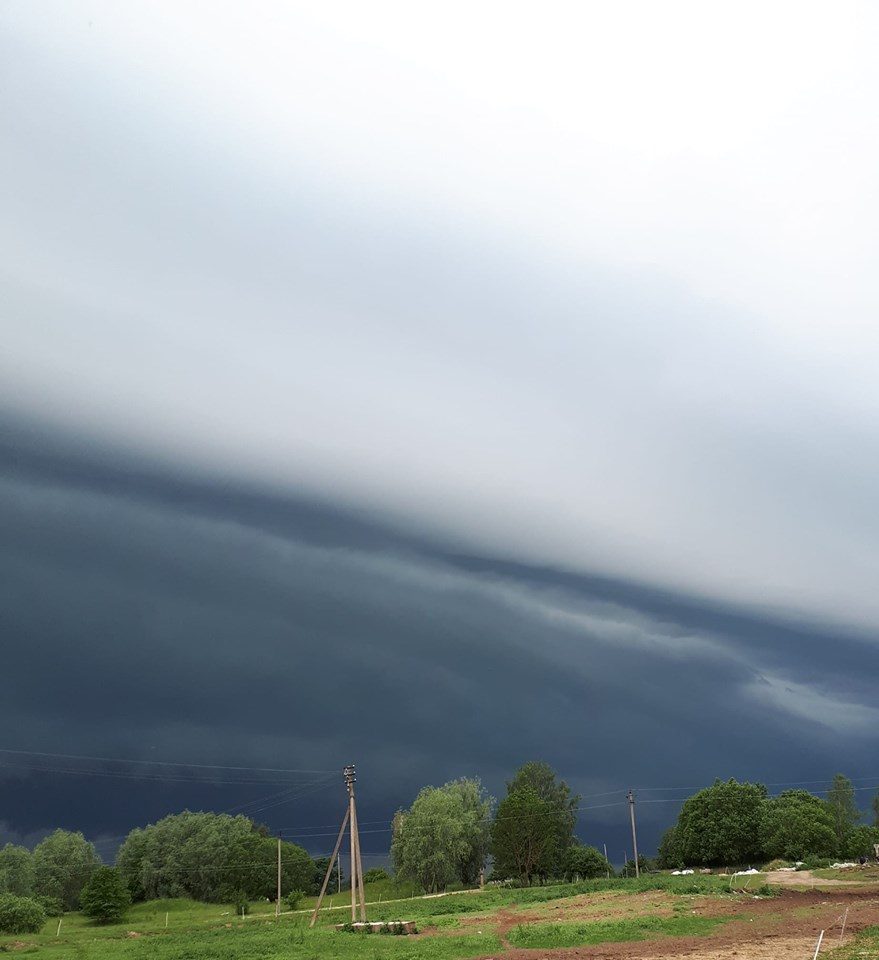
(198, 931)
(550, 935)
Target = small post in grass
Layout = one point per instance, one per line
(166, 919)
(58, 931)
(844, 918)
(818, 945)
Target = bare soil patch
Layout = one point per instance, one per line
(780, 927)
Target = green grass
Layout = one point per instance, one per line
(865, 946)
(865, 874)
(550, 935)
(200, 930)
(263, 940)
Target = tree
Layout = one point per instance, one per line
(841, 801)
(525, 837)
(645, 865)
(545, 855)
(337, 877)
(796, 825)
(63, 864)
(105, 898)
(585, 863)
(210, 857)
(720, 824)
(875, 806)
(16, 871)
(543, 780)
(475, 817)
(20, 914)
(859, 842)
(668, 855)
(443, 837)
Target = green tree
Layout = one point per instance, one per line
(337, 879)
(859, 842)
(476, 820)
(63, 864)
(645, 865)
(841, 801)
(16, 871)
(875, 805)
(668, 856)
(525, 837)
(585, 863)
(541, 778)
(443, 837)
(720, 824)
(20, 914)
(210, 857)
(796, 825)
(105, 898)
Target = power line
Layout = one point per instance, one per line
(164, 763)
(149, 777)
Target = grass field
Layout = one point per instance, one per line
(659, 909)
(865, 874)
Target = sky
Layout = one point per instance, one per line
(434, 389)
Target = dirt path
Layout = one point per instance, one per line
(802, 878)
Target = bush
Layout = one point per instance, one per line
(377, 873)
(20, 914)
(585, 863)
(240, 902)
(815, 863)
(293, 899)
(52, 905)
(105, 897)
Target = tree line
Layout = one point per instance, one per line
(447, 837)
(739, 823)
(449, 833)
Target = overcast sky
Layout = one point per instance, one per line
(398, 373)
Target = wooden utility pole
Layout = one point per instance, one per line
(357, 890)
(278, 901)
(631, 799)
(323, 888)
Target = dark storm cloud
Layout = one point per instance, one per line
(147, 614)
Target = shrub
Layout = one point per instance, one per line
(582, 862)
(20, 914)
(293, 899)
(240, 901)
(815, 863)
(52, 905)
(777, 864)
(105, 897)
(377, 873)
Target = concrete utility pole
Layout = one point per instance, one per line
(631, 799)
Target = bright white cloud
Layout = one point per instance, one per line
(592, 285)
